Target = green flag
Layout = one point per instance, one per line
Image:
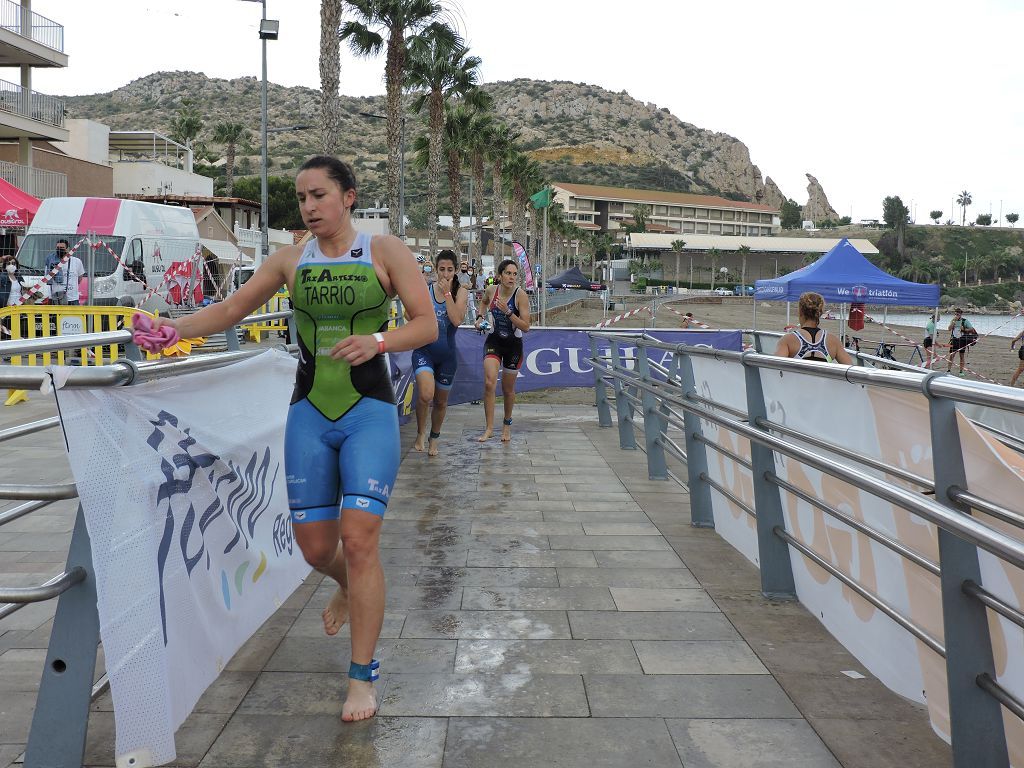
(542, 199)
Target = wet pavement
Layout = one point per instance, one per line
(548, 605)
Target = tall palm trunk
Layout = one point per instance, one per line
(455, 198)
(435, 126)
(393, 69)
(330, 75)
(229, 168)
(497, 203)
(476, 242)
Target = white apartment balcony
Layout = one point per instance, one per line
(35, 181)
(30, 114)
(26, 38)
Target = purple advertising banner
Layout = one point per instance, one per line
(560, 357)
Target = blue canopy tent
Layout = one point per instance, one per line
(844, 275)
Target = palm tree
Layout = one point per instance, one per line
(500, 141)
(523, 177)
(743, 251)
(439, 69)
(963, 200)
(456, 128)
(188, 123)
(229, 134)
(677, 249)
(477, 138)
(330, 75)
(396, 24)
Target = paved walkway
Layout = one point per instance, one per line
(548, 605)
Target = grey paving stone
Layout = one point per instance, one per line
(489, 577)
(21, 668)
(276, 740)
(299, 693)
(559, 657)
(688, 696)
(679, 625)
(651, 578)
(332, 654)
(537, 598)
(645, 599)
(528, 529)
(745, 743)
(509, 695)
(620, 529)
(561, 742)
(310, 623)
(551, 559)
(623, 514)
(704, 657)
(434, 557)
(883, 742)
(192, 740)
(632, 559)
(485, 625)
(617, 543)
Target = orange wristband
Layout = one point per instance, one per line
(380, 343)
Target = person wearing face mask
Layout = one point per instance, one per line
(64, 285)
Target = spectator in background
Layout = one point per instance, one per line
(464, 279)
(58, 283)
(958, 331)
(1020, 356)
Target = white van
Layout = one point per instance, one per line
(146, 237)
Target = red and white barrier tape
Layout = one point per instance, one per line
(623, 316)
(692, 320)
(48, 277)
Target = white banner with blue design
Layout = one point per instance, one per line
(182, 482)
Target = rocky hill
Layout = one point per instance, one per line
(578, 132)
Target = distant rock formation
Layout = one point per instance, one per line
(817, 207)
(772, 195)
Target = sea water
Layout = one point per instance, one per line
(995, 325)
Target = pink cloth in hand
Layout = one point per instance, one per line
(149, 339)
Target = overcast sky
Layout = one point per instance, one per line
(875, 98)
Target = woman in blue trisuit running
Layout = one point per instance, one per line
(341, 439)
(435, 364)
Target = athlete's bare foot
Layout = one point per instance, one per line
(487, 435)
(418, 445)
(336, 613)
(361, 702)
(432, 446)
(506, 433)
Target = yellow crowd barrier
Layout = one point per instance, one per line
(279, 302)
(34, 321)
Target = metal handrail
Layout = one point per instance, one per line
(10, 515)
(965, 527)
(47, 591)
(881, 466)
(729, 495)
(22, 492)
(983, 505)
(867, 530)
(931, 383)
(725, 451)
(1000, 694)
(997, 604)
(872, 598)
(672, 445)
(720, 406)
(28, 428)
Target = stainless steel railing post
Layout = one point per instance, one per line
(623, 408)
(654, 424)
(773, 553)
(604, 411)
(61, 716)
(701, 512)
(975, 717)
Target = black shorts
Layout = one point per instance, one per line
(957, 344)
(927, 342)
(508, 351)
(1020, 352)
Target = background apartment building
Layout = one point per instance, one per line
(29, 40)
(608, 209)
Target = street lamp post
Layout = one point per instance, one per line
(269, 29)
(401, 173)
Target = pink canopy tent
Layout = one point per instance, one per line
(16, 207)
